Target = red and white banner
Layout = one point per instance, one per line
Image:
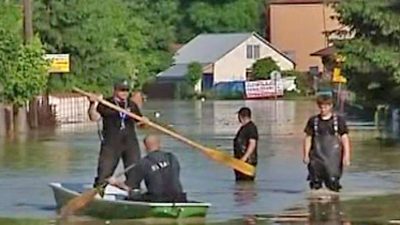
(263, 88)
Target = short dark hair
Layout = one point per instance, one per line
(244, 112)
(324, 100)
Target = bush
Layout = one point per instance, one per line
(304, 81)
(262, 68)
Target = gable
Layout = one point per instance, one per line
(266, 50)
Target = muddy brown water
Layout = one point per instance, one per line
(69, 154)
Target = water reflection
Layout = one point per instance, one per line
(326, 213)
(245, 193)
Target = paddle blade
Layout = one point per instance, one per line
(78, 203)
(228, 160)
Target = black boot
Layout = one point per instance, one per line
(315, 184)
(333, 184)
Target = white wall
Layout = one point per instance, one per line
(233, 65)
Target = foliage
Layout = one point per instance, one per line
(372, 57)
(194, 74)
(23, 70)
(262, 68)
(209, 16)
(303, 81)
(125, 39)
(107, 40)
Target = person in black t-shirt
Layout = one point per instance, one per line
(160, 172)
(326, 146)
(118, 136)
(245, 143)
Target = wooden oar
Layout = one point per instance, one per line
(216, 155)
(86, 197)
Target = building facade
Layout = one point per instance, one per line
(301, 27)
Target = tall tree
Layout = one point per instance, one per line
(373, 55)
(206, 16)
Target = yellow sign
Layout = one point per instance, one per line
(337, 77)
(340, 58)
(59, 63)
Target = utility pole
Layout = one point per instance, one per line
(28, 25)
(33, 116)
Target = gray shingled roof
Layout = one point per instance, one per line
(175, 72)
(209, 48)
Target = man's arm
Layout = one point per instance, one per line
(306, 149)
(309, 131)
(250, 149)
(92, 112)
(346, 149)
(345, 141)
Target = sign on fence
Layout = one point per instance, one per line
(264, 88)
(59, 63)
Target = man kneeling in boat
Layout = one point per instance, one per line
(160, 172)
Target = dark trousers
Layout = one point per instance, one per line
(243, 177)
(111, 152)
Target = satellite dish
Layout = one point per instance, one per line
(275, 75)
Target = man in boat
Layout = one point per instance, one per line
(160, 172)
(326, 146)
(118, 136)
(245, 143)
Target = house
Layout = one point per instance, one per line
(224, 57)
(302, 27)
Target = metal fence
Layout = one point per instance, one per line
(67, 108)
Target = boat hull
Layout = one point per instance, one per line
(121, 209)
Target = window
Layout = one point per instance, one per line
(256, 51)
(253, 51)
(249, 51)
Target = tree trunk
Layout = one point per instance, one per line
(20, 120)
(33, 113)
(3, 123)
(9, 117)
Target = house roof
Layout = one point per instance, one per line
(277, 2)
(176, 71)
(209, 48)
(325, 51)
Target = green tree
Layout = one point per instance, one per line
(107, 40)
(207, 16)
(89, 32)
(262, 68)
(194, 74)
(23, 70)
(373, 55)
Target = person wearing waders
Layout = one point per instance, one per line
(160, 172)
(118, 136)
(245, 143)
(326, 146)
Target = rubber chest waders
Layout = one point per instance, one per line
(326, 154)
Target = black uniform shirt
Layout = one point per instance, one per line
(116, 125)
(242, 139)
(160, 172)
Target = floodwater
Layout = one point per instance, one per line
(69, 154)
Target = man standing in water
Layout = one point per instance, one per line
(245, 143)
(326, 146)
(118, 134)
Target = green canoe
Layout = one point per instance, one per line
(113, 207)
